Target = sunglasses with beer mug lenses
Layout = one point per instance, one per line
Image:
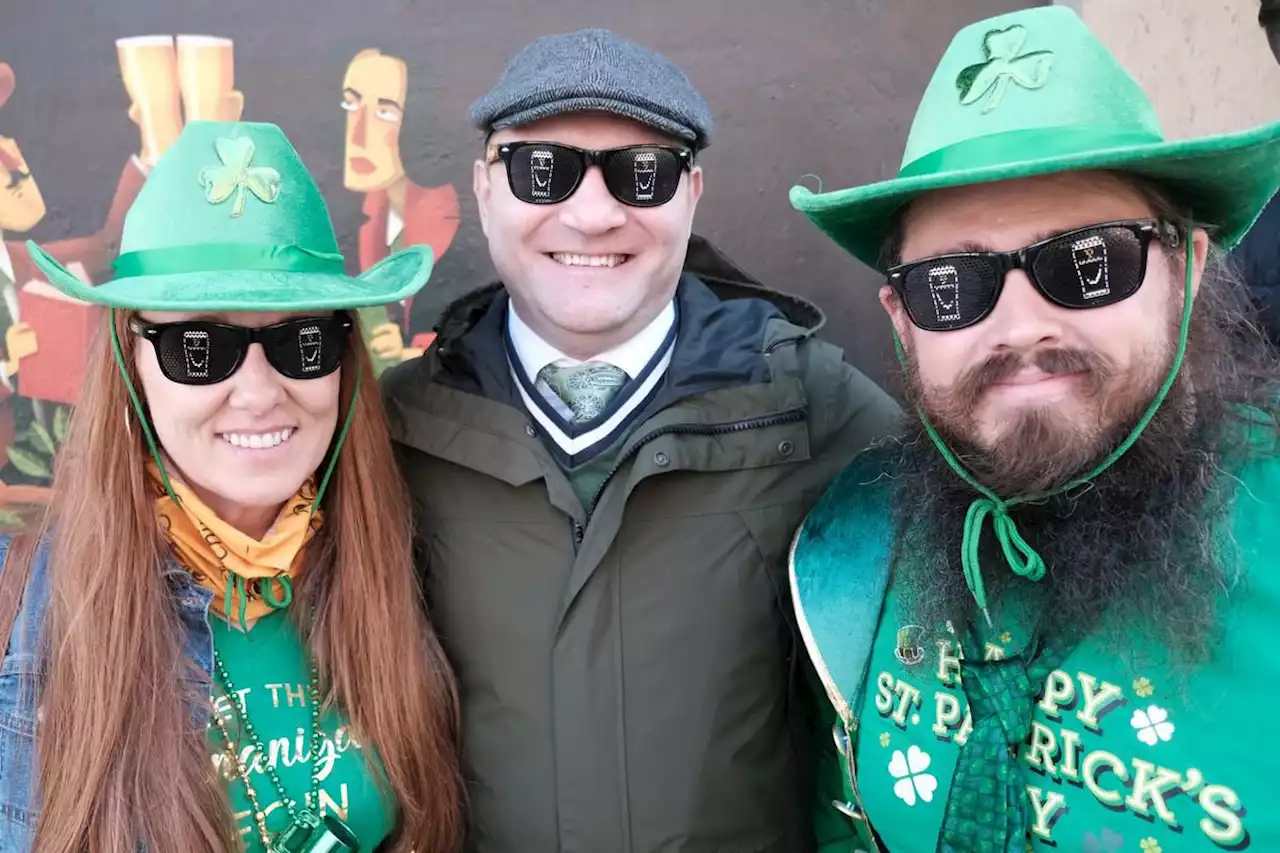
(203, 353)
(1086, 268)
(548, 173)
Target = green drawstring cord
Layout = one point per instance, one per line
(1021, 557)
(155, 449)
(342, 439)
(137, 405)
(234, 582)
(237, 585)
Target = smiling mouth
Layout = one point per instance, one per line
(362, 165)
(1035, 379)
(16, 178)
(568, 259)
(257, 440)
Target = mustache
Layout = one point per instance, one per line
(1095, 369)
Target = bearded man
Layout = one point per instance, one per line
(1047, 614)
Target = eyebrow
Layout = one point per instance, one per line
(352, 92)
(387, 102)
(974, 247)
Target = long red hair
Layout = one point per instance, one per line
(121, 761)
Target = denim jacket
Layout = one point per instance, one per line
(19, 801)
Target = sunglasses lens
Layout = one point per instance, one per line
(643, 176)
(949, 293)
(308, 348)
(1092, 268)
(198, 353)
(543, 174)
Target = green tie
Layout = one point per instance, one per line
(585, 388)
(987, 809)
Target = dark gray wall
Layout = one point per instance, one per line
(821, 86)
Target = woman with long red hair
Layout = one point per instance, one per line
(220, 643)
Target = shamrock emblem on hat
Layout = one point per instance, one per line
(236, 177)
(1005, 64)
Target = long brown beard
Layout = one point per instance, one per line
(1140, 535)
(1142, 539)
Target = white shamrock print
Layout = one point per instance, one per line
(1153, 725)
(912, 780)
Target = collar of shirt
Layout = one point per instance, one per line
(6, 262)
(632, 356)
(394, 224)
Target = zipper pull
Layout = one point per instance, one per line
(578, 532)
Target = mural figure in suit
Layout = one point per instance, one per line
(398, 211)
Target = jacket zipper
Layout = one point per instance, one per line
(787, 417)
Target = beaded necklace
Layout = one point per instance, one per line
(307, 831)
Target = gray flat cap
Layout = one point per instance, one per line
(595, 70)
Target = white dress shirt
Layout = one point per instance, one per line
(632, 356)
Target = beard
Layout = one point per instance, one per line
(1139, 541)
(1040, 448)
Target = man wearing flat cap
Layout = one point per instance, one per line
(608, 455)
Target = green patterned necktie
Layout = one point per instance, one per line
(987, 809)
(586, 389)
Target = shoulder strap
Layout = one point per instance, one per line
(13, 581)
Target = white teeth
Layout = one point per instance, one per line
(570, 260)
(257, 441)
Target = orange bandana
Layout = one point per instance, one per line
(248, 578)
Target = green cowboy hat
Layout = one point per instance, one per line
(1035, 93)
(230, 220)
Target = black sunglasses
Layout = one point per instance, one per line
(548, 173)
(202, 353)
(1086, 268)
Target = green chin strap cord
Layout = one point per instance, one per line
(1020, 556)
(155, 448)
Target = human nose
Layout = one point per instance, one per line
(592, 209)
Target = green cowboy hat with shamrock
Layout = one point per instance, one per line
(231, 220)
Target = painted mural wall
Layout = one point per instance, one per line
(374, 95)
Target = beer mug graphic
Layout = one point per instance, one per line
(195, 348)
(646, 171)
(309, 341)
(1090, 257)
(541, 168)
(944, 286)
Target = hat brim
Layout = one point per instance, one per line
(1225, 181)
(393, 279)
(574, 105)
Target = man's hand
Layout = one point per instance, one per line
(386, 341)
(19, 342)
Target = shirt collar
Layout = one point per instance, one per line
(632, 355)
(394, 224)
(6, 262)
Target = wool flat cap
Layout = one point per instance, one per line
(595, 69)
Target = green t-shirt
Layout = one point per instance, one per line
(269, 669)
(1124, 756)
